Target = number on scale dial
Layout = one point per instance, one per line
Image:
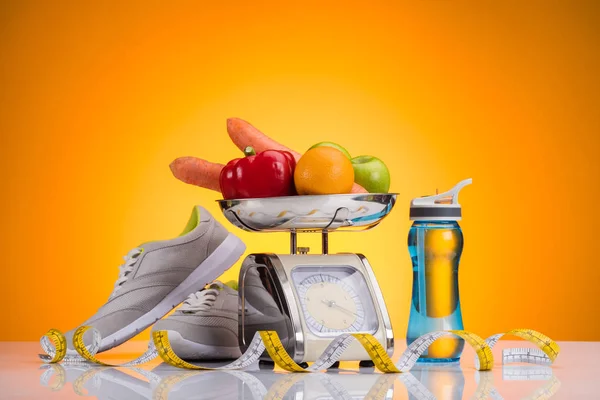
(330, 305)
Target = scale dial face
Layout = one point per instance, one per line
(334, 300)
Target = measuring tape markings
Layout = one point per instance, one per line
(531, 356)
(411, 355)
(80, 382)
(153, 378)
(161, 392)
(485, 386)
(377, 353)
(54, 343)
(385, 382)
(484, 360)
(277, 352)
(250, 356)
(257, 389)
(547, 391)
(415, 387)
(59, 381)
(546, 355)
(166, 385)
(280, 356)
(336, 389)
(87, 354)
(486, 389)
(279, 389)
(521, 373)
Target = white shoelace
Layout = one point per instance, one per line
(202, 300)
(126, 268)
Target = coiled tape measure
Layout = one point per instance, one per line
(54, 344)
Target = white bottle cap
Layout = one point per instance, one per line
(441, 207)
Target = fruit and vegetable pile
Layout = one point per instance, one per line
(270, 169)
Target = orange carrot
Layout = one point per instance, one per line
(197, 171)
(243, 134)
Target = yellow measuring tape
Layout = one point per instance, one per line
(59, 342)
(55, 346)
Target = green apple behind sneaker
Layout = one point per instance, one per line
(157, 276)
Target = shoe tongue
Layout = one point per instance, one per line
(198, 216)
(230, 286)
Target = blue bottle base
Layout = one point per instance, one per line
(438, 360)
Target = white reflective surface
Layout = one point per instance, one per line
(575, 374)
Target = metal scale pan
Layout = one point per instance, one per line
(315, 213)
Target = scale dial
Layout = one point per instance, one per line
(330, 304)
(334, 299)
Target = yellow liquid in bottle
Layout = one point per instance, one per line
(435, 249)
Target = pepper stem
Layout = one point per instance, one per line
(249, 151)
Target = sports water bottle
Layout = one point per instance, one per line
(435, 243)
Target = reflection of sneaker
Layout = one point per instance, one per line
(100, 382)
(261, 310)
(205, 327)
(205, 385)
(258, 292)
(157, 276)
(112, 384)
(55, 376)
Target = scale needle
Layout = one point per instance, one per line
(333, 304)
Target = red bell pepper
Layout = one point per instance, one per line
(266, 174)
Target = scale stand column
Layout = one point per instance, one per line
(325, 242)
(293, 242)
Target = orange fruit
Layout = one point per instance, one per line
(324, 170)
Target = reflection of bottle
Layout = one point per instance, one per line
(435, 243)
(444, 382)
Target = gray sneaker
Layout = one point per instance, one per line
(157, 276)
(261, 311)
(205, 326)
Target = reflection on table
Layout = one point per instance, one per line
(166, 382)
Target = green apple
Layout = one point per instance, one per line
(371, 173)
(335, 146)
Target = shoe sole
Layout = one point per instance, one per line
(219, 261)
(188, 350)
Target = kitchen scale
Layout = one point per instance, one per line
(311, 298)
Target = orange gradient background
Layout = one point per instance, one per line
(97, 98)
